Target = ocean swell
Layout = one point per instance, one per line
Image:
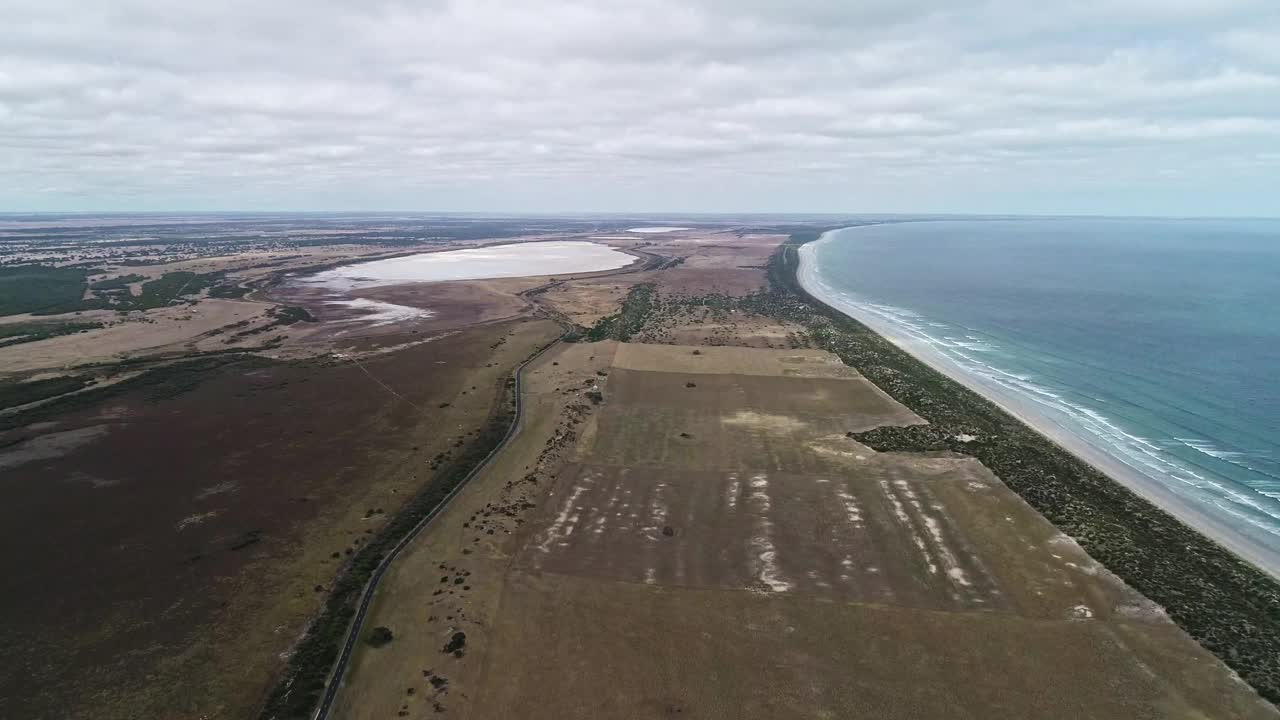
(991, 367)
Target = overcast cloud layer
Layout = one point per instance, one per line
(1122, 107)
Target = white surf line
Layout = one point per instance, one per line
(767, 570)
(1133, 461)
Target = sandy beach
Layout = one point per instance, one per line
(1243, 545)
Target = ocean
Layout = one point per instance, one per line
(1150, 346)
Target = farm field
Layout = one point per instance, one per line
(707, 509)
(712, 542)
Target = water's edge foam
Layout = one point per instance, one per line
(1022, 404)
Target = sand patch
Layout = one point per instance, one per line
(52, 445)
(765, 421)
(196, 519)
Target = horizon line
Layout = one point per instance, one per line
(630, 213)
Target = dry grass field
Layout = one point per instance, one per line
(683, 526)
(185, 542)
(451, 579)
(708, 542)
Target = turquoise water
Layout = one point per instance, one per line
(1155, 341)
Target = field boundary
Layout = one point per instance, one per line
(334, 683)
(1226, 604)
(333, 679)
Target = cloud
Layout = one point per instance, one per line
(643, 104)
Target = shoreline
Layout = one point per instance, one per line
(493, 262)
(1242, 546)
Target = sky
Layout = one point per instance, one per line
(1129, 107)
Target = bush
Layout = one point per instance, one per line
(455, 644)
(379, 636)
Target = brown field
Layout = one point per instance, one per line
(702, 540)
(725, 550)
(422, 600)
(166, 329)
(577, 647)
(191, 535)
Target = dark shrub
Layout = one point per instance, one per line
(379, 636)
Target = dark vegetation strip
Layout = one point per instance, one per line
(628, 321)
(315, 670)
(25, 288)
(18, 333)
(13, 394)
(297, 695)
(158, 383)
(48, 290)
(118, 283)
(1229, 606)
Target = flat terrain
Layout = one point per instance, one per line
(712, 543)
(690, 521)
(158, 521)
(194, 458)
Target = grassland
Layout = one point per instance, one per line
(715, 543)
(304, 680)
(714, 540)
(469, 542)
(713, 529)
(693, 530)
(18, 333)
(262, 482)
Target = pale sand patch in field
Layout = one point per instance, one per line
(50, 445)
(765, 421)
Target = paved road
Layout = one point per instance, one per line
(651, 260)
(357, 624)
